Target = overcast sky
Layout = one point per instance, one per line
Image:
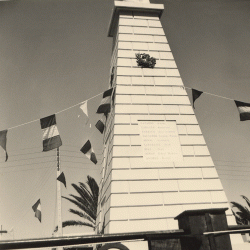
(55, 54)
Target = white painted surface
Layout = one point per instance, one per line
(244, 246)
(141, 195)
(209, 173)
(136, 245)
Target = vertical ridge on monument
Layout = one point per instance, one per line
(156, 162)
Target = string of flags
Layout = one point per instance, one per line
(243, 107)
(52, 140)
(50, 134)
(51, 137)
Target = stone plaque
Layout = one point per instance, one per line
(160, 141)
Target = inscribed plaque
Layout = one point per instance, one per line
(160, 141)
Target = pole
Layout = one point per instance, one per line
(59, 199)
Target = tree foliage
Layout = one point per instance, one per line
(86, 201)
(241, 213)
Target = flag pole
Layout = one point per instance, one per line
(59, 198)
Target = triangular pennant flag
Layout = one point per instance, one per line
(84, 108)
(100, 125)
(105, 104)
(244, 110)
(37, 209)
(3, 141)
(196, 94)
(51, 137)
(89, 152)
(62, 179)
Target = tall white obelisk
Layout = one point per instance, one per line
(156, 161)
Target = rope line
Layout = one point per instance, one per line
(79, 103)
(212, 94)
(100, 94)
(56, 112)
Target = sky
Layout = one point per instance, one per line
(55, 54)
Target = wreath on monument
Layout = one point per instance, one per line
(145, 60)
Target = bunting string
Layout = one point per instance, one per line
(75, 105)
(56, 112)
(79, 103)
(212, 94)
(24, 124)
(51, 137)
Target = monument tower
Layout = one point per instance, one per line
(156, 162)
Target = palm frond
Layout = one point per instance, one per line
(242, 213)
(82, 215)
(238, 219)
(85, 188)
(82, 206)
(93, 187)
(87, 202)
(89, 207)
(241, 208)
(77, 223)
(247, 200)
(74, 223)
(83, 191)
(85, 195)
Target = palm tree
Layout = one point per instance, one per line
(86, 201)
(242, 215)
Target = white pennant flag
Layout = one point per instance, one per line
(84, 108)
